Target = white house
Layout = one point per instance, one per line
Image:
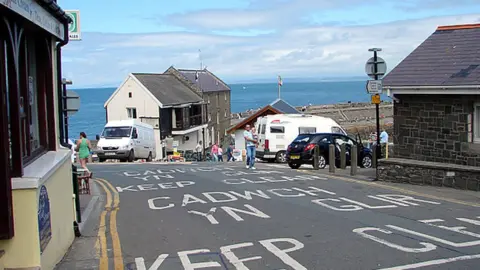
(173, 108)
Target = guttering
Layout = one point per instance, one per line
(61, 100)
(431, 87)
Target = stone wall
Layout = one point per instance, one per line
(435, 128)
(429, 173)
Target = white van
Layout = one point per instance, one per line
(276, 132)
(127, 140)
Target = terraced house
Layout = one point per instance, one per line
(36, 206)
(216, 94)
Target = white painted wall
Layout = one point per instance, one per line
(141, 100)
(190, 144)
(239, 139)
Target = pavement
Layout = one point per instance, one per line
(223, 216)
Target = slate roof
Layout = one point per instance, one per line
(168, 89)
(53, 8)
(284, 107)
(207, 81)
(448, 57)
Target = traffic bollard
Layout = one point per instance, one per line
(353, 160)
(331, 158)
(316, 153)
(343, 157)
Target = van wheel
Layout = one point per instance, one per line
(101, 160)
(294, 165)
(281, 157)
(149, 159)
(131, 156)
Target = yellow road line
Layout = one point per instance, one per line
(406, 191)
(102, 238)
(117, 248)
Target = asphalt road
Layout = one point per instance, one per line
(223, 216)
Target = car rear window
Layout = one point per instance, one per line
(303, 138)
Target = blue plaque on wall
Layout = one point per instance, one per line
(44, 222)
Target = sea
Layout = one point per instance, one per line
(91, 116)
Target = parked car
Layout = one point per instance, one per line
(300, 151)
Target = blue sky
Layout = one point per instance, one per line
(249, 39)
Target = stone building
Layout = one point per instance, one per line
(436, 90)
(216, 94)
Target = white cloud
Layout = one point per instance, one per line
(308, 51)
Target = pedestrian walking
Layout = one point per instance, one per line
(230, 153)
(215, 152)
(199, 149)
(83, 148)
(220, 154)
(251, 147)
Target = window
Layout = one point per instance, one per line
(208, 98)
(132, 113)
(116, 132)
(218, 117)
(337, 130)
(307, 130)
(225, 115)
(263, 128)
(209, 117)
(476, 123)
(303, 138)
(28, 103)
(129, 94)
(277, 129)
(225, 94)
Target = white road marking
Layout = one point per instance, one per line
(433, 262)
(446, 242)
(361, 231)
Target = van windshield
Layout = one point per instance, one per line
(116, 132)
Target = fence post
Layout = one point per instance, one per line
(76, 192)
(316, 152)
(353, 160)
(374, 157)
(331, 158)
(343, 157)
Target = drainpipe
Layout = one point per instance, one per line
(61, 98)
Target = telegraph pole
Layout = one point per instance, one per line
(375, 69)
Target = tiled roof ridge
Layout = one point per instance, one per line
(458, 27)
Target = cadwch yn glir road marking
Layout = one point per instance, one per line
(406, 191)
(102, 239)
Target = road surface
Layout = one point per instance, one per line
(223, 216)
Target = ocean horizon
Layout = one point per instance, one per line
(91, 116)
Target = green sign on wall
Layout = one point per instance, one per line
(74, 27)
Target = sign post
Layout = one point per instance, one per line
(376, 68)
(74, 27)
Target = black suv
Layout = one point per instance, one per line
(300, 151)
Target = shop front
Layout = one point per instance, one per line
(36, 206)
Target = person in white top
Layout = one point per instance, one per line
(220, 154)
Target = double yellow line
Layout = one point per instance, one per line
(111, 207)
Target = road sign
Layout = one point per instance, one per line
(381, 68)
(374, 86)
(74, 27)
(73, 102)
(376, 99)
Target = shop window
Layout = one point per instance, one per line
(28, 101)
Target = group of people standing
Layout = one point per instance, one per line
(216, 151)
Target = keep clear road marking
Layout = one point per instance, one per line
(406, 191)
(112, 209)
(433, 262)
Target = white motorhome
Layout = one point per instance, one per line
(276, 132)
(127, 140)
